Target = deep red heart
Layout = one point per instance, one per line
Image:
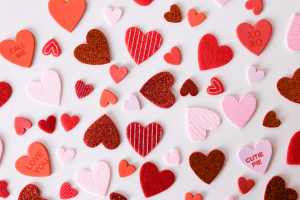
(140, 46)
(5, 93)
(290, 87)
(66, 192)
(210, 55)
(293, 152)
(254, 38)
(48, 125)
(68, 122)
(3, 192)
(143, 2)
(216, 87)
(188, 87)
(154, 182)
(174, 57)
(83, 90)
(144, 140)
(30, 192)
(51, 47)
(116, 196)
(276, 190)
(21, 124)
(245, 186)
(254, 5)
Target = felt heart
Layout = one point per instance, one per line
(95, 181)
(270, 120)
(290, 87)
(207, 167)
(83, 90)
(293, 152)
(48, 91)
(210, 55)
(112, 16)
(125, 169)
(189, 196)
(239, 112)
(1, 148)
(116, 196)
(198, 121)
(144, 140)
(67, 13)
(20, 51)
(51, 47)
(258, 159)
(254, 38)
(142, 46)
(48, 125)
(66, 192)
(156, 90)
(255, 75)
(68, 122)
(174, 57)
(276, 190)
(189, 87)
(37, 163)
(154, 182)
(293, 36)
(143, 2)
(5, 93)
(174, 16)
(107, 97)
(96, 51)
(30, 192)
(222, 2)
(245, 186)
(255, 6)
(117, 74)
(103, 130)
(64, 157)
(194, 18)
(133, 104)
(3, 192)
(21, 124)
(173, 159)
(216, 87)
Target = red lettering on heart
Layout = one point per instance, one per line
(51, 47)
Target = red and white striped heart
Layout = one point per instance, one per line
(51, 47)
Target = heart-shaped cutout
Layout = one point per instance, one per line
(125, 169)
(245, 185)
(112, 16)
(276, 190)
(68, 122)
(133, 104)
(63, 156)
(293, 36)
(116, 196)
(216, 87)
(290, 87)
(48, 125)
(21, 124)
(174, 15)
(30, 192)
(117, 74)
(3, 192)
(83, 90)
(293, 152)
(195, 18)
(189, 87)
(107, 97)
(189, 196)
(255, 75)
(51, 47)
(5, 93)
(173, 159)
(66, 192)
(173, 58)
(270, 120)
(254, 5)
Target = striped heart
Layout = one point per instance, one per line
(144, 140)
(83, 90)
(140, 46)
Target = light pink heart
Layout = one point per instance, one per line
(112, 16)
(254, 75)
(199, 120)
(47, 91)
(231, 198)
(222, 2)
(1, 148)
(64, 157)
(95, 181)
(133, 104)
(293, 36)
(239, 112)
(173, 159)
(258, 159)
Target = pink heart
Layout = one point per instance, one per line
(254, 75)
(173, 159)
(239, 112)
(112, 16)
(47, 91)
(198, 121)
(133, 104)
(64, 157)
(293, 36)
(95, 181)
(1, 148)
(222, 2)
(231, 198)
(258, 159)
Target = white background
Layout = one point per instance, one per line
(276, 60)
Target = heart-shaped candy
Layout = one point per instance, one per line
(107, 97)
(66, 192)
(133, 104)
(64, 157)
(255, 6)
(255, 75)
(173, 159)
(112, 16)
(276, 190)
(216, 87)
(222, 2)
(189, 196)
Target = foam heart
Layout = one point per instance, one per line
(216, 87)
(245, 186)
(125, 169)
(293, 36)
(133, 104)
(189, 87)
(258, 159)
(48, 125)
(276, 190)
(112, 16)
(199, 120)
(173, 58)
(66, 192)
(174, 16)
(96, 181)
(239, 112)
(290, 87)
(3, 192)
(107, 97)
(254, 5)
(5, 93)
(173, 159)
(1, 148)
(138, 44)
(222, 2)
(116, 196)
(293, 152)
(270, 120)
(30, 192)
(143, 2)
(194, 18)
(21, 124)
(68, 122)
(255, 75)
(51, 47)
(67, 13)
(64, 157)
(83, 90)
(47, 91)
(117, 74)
(189, 196)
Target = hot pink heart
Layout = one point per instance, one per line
(64, 157)
(173, 159)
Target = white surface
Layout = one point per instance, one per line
(276, 60)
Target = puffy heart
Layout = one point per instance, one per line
(293, 36)
(293, 152)
(189, 196)
(173, 58)
(66, 192)
(290, 87)
(21, 124)
(173, 159)
(112, 16)
(255, 75)
(245, 186)
(255, 6)
(51, 47)
(68, 122)
(64, 157)
(30, 192)
(5, 93)
(194, 18)
(117, 74)
(3, 192)
(125, 169)
(216, 87)
(107, 97)
(276, 190)
(133, 104)
(48, 125)
(83, 90)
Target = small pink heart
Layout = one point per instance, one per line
(133, 104)
(254, 75)
(64, 157)
(222, 2)
(112, 16)
(173, 159)
(258, 159)
(293, 36)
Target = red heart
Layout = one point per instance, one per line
(21, 124)
(216, 87)
(174, 57)
(245, 186)
(143, 2)
(66, 192)
(30, 192)
(276, 190)
(210, 55)
(254, 38)
(293, 152)
(254, 5)
(51, 47)
(48, 125)
(188, 87)
(144, 140)
(154, 182)
(5, 93)
(83, 90)
(140, 46)
(67, 122)
(116, 196)
(3, 192)
(290, 87)
(118, 74)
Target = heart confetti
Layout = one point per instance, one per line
(117, 74)
(3, 192)
(64, 157)
(51, 47)
(194, 18)
(173, 58)
(68, 122)
(133, 104)
(21, 124)
(216, 87)
(173, 159)
(112, 16)
(83, 90)
(125, 169)
(30, 192)
(66, 192)
(254, 75)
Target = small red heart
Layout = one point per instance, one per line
(51, 47)
(107, 97)
(83, 90)
(143, 2)
(216, 87)
(3, 192)
(48, 125)
(245, 186)
(30, 192)
(117, 74)
(174, 57)
(66, 192)
(5, 93)
(254, 5)
(21, 124)
(188, 87)
(68, 122)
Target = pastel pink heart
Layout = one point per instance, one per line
(133, 104)
(112, 16)
(293, 36)
(239, 112)
(258, 159)
(1, 148)
(47, 91)
(222, 2)
(199, 120)
(95, 181)
(173, 159)
(255, 75)
(231, 198)
(64, 157)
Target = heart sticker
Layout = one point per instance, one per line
(276, 190)
(189, 196)
(174, 16)
(290, 87)
(293, 152)
(173, 58)
(293, 36)
(68, 122)
(21, 124)
(64, 157)
(112, 16)
(216, 87)
(5, 93)
(173, 159)
(3, 192)
(125, 169)
(30, 192)
(133, 104)
(254, 5)
(255, 75)
(245, 185)
(194, 18)
(83, 90)
(66, 192)
(51, 47)
(117, 74)
(189, 87)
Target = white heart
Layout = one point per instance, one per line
(173, 159)
(64, 157)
